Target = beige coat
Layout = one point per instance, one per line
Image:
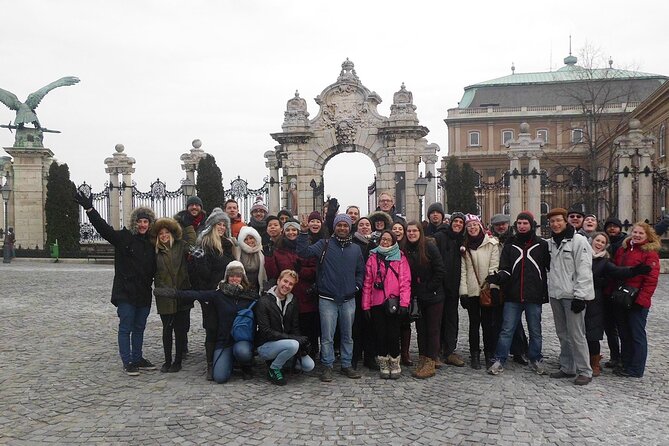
(486, 259)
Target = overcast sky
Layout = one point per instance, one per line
(157, 74)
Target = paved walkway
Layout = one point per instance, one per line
(61, 382)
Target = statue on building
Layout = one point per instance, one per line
(25, 112)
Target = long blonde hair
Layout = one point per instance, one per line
(212, 242)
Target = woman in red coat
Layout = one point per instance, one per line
(285, 257)
(640, 248)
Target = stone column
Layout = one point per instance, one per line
(119, 164)
(190, 160)
(430, 174)
(645, 191)
(515, 185)
(625, 204)
(533, 187)
(274, 182)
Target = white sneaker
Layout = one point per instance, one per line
(538, 366)
(496, 368)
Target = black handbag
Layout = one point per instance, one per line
(625, 296)
(392, 304)
(414, 309)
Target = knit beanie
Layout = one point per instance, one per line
(259, 205)
(436, 207)
(217, 215)
(315, 215)
(285, 212)
(613, 221)
(526, 215)
(194, 200)
(459, 215)
(472, 218)
(342, 218)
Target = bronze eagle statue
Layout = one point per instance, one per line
(25, 111)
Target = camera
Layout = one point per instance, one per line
(378, 285)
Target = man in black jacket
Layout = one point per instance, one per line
(278, 337)
(522, 273)
(134, 268)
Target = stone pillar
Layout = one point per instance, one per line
(431, 175)
(126, 190)
(626, 146)
(533, 188)
(26, 205)
(190, 160)
(274, 182)
(119, 164)
(645, 198)
(515, 186)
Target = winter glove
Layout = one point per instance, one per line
(333, 203)
(83, 201)
(640, 269)
(185, 219)
(170, 293)
(403, 311)
(494, 295)
(464, 301)
(577, 305)
(494, 279)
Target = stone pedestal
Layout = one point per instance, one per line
(120, 164)
(274, 182)
(28, 194)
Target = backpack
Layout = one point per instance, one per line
(243, 327)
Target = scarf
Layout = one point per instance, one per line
(344, 242)
(602, 253)
(364, 239)
(290, 245)
(524, 238)
(390, 254)
(567, 233)
(197, 221)
(473, 243)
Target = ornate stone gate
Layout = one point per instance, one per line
(348, 121)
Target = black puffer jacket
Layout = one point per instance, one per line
(273, 324)
(523, 270)
(449, 244)
(426, 280)
(209, 266)
(227, 302)
(134, 260)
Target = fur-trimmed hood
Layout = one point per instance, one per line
(171, 225)
(380, 215)
(244, 232)
(133, 218)
(646, 246)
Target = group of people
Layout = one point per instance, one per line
(334, 284)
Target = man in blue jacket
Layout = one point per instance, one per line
(341, 270)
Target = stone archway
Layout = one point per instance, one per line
(348, 121)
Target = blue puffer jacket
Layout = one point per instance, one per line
(342, 271)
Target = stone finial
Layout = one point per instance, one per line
(197, 143)
(296, 114)
(524, 127)
(347, 72)
(634, 124)
(119, 148)
(403, 107)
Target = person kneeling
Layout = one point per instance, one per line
(278, 337)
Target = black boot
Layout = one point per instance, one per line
(476, 361)
(209, 351)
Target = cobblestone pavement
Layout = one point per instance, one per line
(61, 382)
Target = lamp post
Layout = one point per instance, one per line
(187, 187)
(7, 245)
(421, 188)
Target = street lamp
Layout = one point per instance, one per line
(187, 187)
(7, 254)
(421, 188)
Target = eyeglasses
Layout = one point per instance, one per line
(385, 200)
(575, 216)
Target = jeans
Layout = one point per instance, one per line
(242, 351)
(570, 329)
(633, 341)
(330, 313)
(512, 313)
(282, 351)
(131, 325)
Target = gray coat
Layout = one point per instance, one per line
(570, 275)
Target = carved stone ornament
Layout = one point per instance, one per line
(345, 132)
(348, 72)
(296, 114)
(403, 107)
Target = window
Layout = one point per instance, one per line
(577, 136)
(661, 141)
(507, 135)
(542, 134)
(474, 139)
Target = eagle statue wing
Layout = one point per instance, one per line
(35, 98)
(9, 99)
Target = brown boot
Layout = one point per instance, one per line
(427, 371)
(405, 337)
(419, 367)
(594, 363)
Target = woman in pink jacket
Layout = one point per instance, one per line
(387, 280)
